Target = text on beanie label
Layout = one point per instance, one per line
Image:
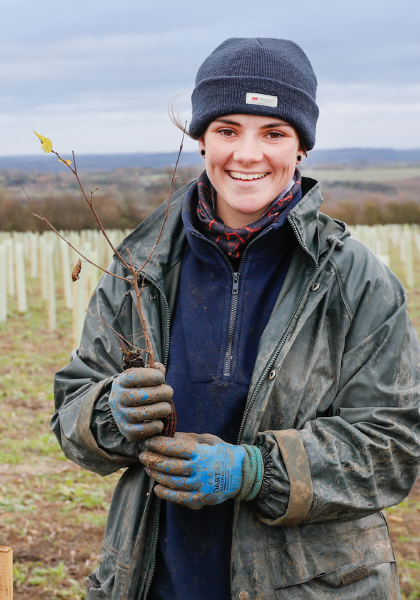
(261, 99)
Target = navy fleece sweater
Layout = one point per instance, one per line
(219, 317)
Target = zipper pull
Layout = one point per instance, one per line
(235, 286)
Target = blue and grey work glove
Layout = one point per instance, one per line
(139, 399)
(197, 470)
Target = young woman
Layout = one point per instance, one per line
(291, 360)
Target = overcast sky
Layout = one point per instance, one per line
(97, 76)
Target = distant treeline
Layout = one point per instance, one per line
(71, 212)
(126, 211)
(375, 213)
(121, 203)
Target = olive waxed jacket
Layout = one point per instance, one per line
(335, 392)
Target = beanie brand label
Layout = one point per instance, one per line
(261, 99)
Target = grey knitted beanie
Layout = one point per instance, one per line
(257, 76)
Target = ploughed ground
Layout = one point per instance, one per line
(52, 512)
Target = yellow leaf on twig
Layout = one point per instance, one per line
(65, 161)
(45, 142)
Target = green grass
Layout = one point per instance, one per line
(54, 582)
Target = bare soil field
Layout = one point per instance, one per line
(52, 512)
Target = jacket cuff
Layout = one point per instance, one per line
(252, 473)
(83, 425)
(265, 488)
(296, 462)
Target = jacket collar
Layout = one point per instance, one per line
(310, 228)
(304, 217)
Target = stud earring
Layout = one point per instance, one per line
(203, 152)
(299, 158)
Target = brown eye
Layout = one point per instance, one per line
(227, 132)
(275, 135)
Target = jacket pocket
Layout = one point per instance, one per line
(315, 550)
(100, 584)
(127, 545)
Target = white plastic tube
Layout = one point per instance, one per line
(3, 284)
(81, 304)
(66, 274)
(10, 267)
(52, 313)
(34, 254)
(409, 265)
(43, 268)
(20, 278)
(94, 272)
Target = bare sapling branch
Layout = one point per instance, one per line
(168, 203)
(139, 305)
(138, 272)
(135, 273)
(43, 218)
(89, 200)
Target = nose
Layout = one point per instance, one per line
(247, 150)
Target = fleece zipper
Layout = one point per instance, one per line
(232, 321)
(227, 367)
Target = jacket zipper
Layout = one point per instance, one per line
(266, 372)
(154, 551)
(168, 319)
(158, 500)
(290, 325)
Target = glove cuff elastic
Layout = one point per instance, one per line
(252, 473)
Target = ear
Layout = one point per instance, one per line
(201, 143)
(302, 151)
(301, 154)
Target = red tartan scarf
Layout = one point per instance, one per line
(233, 241)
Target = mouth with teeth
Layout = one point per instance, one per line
(246, 176)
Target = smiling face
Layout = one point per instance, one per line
(249, 160)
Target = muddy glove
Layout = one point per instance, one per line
(139, 399)
(196, 470)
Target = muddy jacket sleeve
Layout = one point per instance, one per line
(83, 423)
(364, 454)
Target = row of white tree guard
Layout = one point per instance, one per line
(50, 260)
(381, 239)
